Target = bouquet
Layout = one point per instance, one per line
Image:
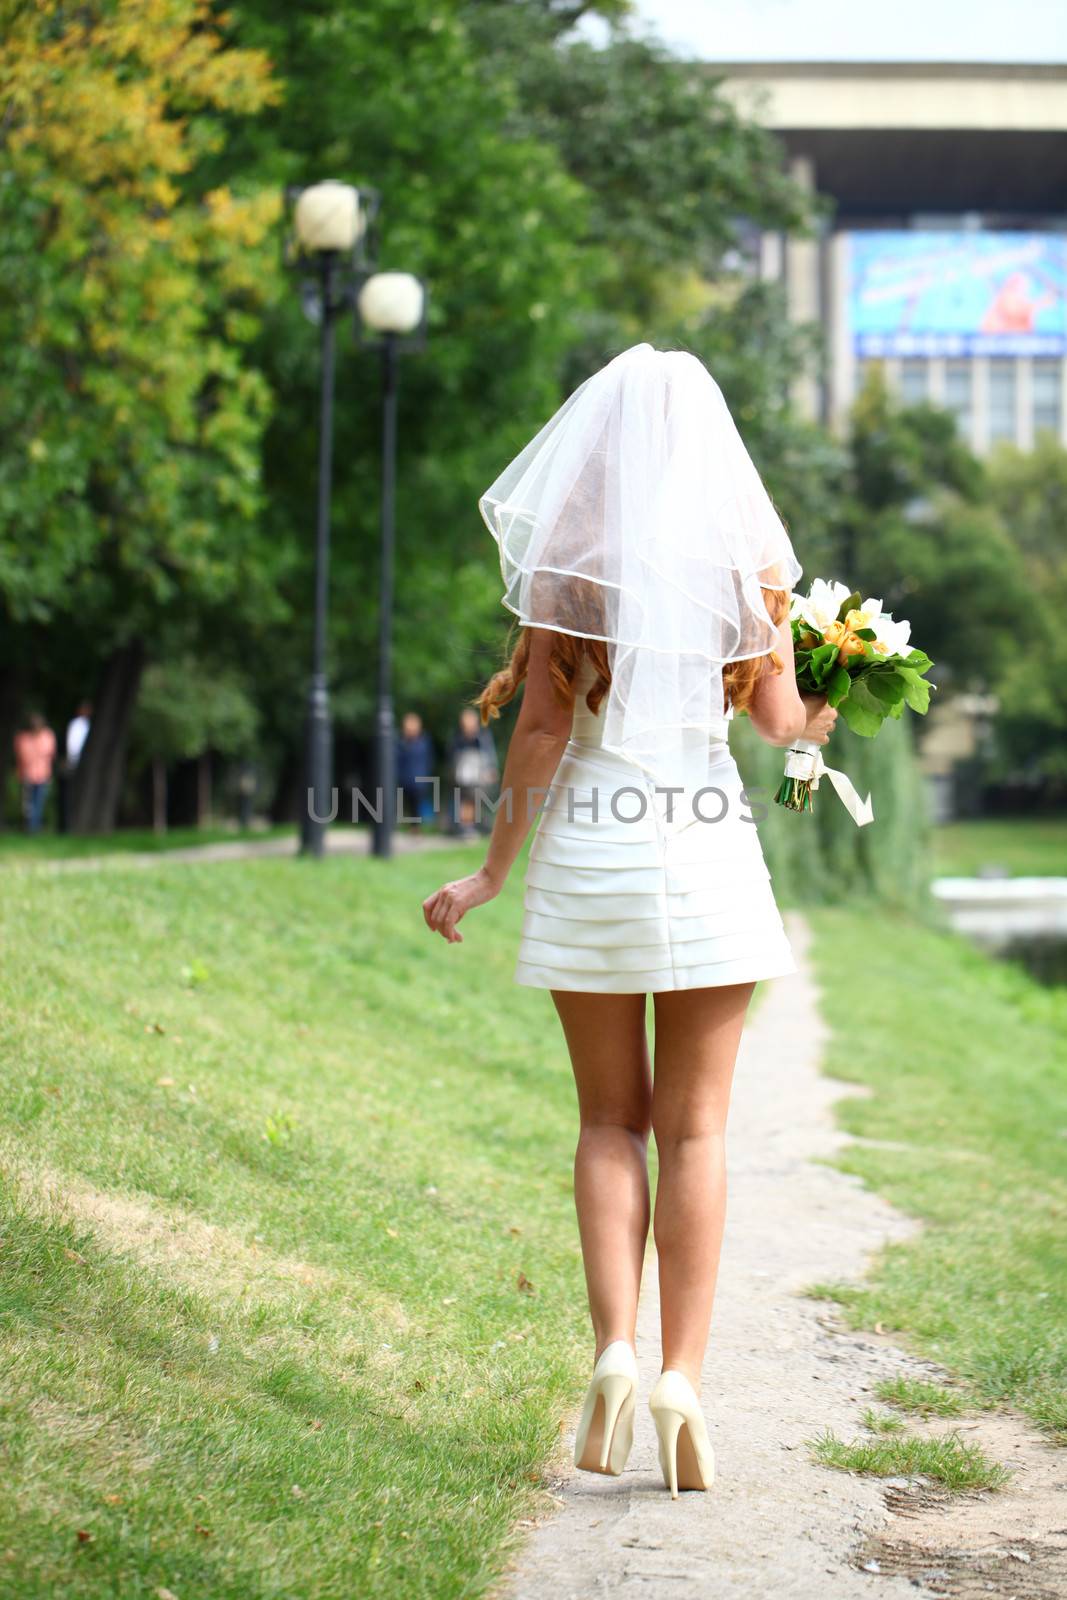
(858, 657)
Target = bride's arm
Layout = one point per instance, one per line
(541, 733)
(778, 711)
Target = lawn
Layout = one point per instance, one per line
(966, 1059)
(1021, 846)
(291, 1299)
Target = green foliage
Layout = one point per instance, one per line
(673, 169)
(132, 416)
(186, 708)
(866, 682)
(397, 95)
(918, 1395)
(1036, 847)
(825, 857)
(899, 452)
(963, 1057)
(1029, 491)
(880, 1422)
(277, 1245)
(916, 527)
(959, 1464)
(475, 121)
(676, 183)
(562, 202)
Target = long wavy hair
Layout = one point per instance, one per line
(739, 678)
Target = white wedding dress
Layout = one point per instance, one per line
(649, 891)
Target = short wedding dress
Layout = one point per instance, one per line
(632, 887)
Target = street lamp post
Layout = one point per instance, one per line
(329, 226)
(391, 314)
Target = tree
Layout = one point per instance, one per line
(676, 175)
(470, 119)
(679, 184)
(1029, 491)
(186, 710)
(130, 486)
(160, 497)
(396, 95)
(916, 529)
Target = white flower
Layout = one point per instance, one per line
(820, 606)
(867, 614)
(890, 638)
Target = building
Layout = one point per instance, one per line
(945, 251)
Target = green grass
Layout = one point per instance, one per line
(925, 1399)
(966, 1060)
(291, 1298)
(50, 846)
(1021, 846)
(948, 1459)
(880, 1422)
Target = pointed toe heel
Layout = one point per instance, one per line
(606, 1427)
(686, 1458)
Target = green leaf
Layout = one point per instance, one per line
(889, 688)
(860, 719)
(916, 690)
(822, 661)
(838, 685)
(862, 711)
(851, 604)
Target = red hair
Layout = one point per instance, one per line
(739, 678)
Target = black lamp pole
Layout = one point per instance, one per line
(318, 759)
(386, 727)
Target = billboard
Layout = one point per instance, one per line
(957, 294)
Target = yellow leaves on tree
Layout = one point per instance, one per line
(137, 289)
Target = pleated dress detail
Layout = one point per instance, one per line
(630, 889)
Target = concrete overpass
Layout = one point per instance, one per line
(939, 149)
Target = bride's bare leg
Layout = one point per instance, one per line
(697, 1035)
(608, 1047)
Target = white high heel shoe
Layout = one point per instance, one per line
(685, 1453)
(605, 1433)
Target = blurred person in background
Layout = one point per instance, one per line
(414, 769)
(74, 743)
(473, 767)
(77, 733)
(35, 753)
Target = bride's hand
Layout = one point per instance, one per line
(444, 908)
(821, 718)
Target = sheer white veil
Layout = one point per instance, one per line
(636, 516)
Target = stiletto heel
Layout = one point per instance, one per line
(605, 1433)
(685, 1454)
(668, 1424)
(616, 1389)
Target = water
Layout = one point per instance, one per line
(1017, 919)
(1043, 955)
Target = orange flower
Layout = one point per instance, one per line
(845, 640)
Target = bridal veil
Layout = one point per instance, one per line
(636, 516)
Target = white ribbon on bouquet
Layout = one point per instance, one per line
(805, 761)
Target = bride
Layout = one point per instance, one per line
(650, 576)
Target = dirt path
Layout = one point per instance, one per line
(779, 1369)
(340, 842)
